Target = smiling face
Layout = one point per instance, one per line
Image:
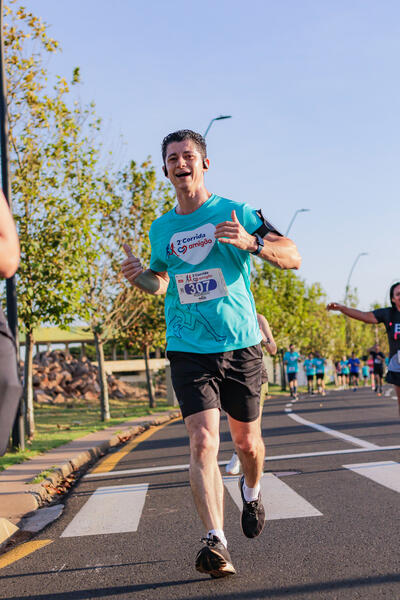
(184, 164)
(396, 297)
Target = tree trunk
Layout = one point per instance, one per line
(283, 374)
(28, 387)
(104, 402)
(150, 387)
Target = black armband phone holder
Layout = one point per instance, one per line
(265, 227)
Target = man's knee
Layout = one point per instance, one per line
(203, 444)
(249, 444)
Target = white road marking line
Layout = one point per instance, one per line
(289, 404)
(288, 410)
(280, 500)
(387, 473)
(338, 434)
(114, 509)
(142, 470)
(225, 462)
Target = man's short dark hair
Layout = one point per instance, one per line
(180, 136)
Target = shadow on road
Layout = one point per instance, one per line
(358, 583)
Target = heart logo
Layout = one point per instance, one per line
(193, 246)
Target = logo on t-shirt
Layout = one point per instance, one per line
(192, 246)
(396, 332)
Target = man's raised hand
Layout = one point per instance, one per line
(131, 266)
(232, 232)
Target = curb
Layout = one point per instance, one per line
(43, 492)
(37, 495)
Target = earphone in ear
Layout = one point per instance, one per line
(205, 165)
(165, 171)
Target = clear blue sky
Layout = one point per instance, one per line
(314, 90)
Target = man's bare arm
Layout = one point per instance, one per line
(9, 244)
(279, 251)
(354, 313)
(148, 281)
(268, 338)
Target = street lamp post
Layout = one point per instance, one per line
(220, 118)
(351, 273)
(299, 210)
(347, 324)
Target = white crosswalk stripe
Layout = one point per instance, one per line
(113, 509)
(279, 499)
(386, 473)
(118, 509)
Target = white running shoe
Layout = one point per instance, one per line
(234, 466)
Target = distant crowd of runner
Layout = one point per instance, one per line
(350, 371)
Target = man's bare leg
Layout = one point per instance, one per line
(205, 476)
(250, 448)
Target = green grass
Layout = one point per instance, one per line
(59, 424)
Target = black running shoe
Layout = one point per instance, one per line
(253, 515)
(214, 558)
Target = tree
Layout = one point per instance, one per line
(49, 150)
(140, 317)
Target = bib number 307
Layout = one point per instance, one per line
(201, 286)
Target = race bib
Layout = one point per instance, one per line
(291, 369)
(201, 286)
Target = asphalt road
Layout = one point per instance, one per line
(333, 505)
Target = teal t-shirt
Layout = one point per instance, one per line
(291, 358)
(209, 306)
(345, 367)
(319, 364)
(309, 366)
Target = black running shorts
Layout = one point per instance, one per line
(310, 377)
(292, 376)
(378, 370)
(228, 380)
(393, 377)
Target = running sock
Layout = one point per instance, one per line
(220, 534)
(251, 494)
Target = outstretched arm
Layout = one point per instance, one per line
(148, 281)
(9, 244)
(354, 313)
(279, 251)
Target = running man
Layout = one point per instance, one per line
(309, 369)
(319, 364)
(354, 364)
(379, 360)
(10, 388)
(390, 316)
(290, 360)
(234, 466)
(200, 258)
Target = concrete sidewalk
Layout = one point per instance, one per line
(19, 497)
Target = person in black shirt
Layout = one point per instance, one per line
(390, 316)
(10, 388)
(379, 361)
